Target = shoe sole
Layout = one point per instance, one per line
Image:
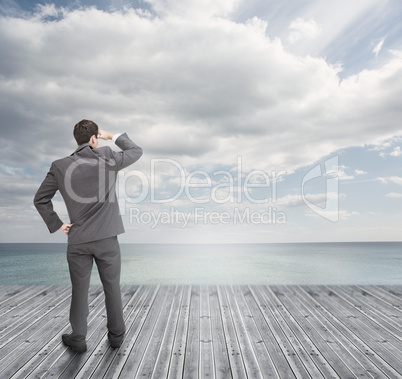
(77, 350)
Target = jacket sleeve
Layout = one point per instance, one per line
(130, 152)
(43, 201)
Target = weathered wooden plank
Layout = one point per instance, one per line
(274, 335)
(363, 353)
(96, 339)
(192, 353)
(103, 354)
(111, 366)
(161, 366)
(267, 335)
(372, 307)
(384, 296)
(311, 338)
(21, 318)
(18, 350)
(221, 357)
(152, 349)
(54, 355)
(357, 362)
(393, 342)
(296, 351)
(266, 367)
(180, 341)
(221, 332)
(32, 345)
(324, 341)
(136, 354)
(356, 323)
(235, 355)
(307, 344)
(249, 359)
(393, 290)
(22, 298)
(6, 292)
(207, 368)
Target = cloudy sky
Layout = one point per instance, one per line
(260, 120)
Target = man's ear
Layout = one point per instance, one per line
(92, 140)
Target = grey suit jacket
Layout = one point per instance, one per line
(87, 180)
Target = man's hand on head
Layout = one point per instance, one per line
(65, 228)
(102, 134)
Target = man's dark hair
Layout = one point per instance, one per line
(84, 130)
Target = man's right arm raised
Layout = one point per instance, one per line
(130, 151)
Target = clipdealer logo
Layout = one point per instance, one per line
(238, 186)
(200, 187)
(330, 209)
(201, 215)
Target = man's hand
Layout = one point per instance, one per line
(102, 134)
(65, 228)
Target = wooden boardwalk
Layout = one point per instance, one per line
(209, 332)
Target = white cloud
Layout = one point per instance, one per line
(376, 50)
(342, 215)
(194, 8)
(395, 179)
(360, 172)
(342, 175)
(385, 147)
(391, 179)
(336, 22)
(257, 24)
(394, 195)
(339, 172)
(300, 29)
(187, 83)
(319, 199)
(397, 152)
(205, 91)
(381, 146)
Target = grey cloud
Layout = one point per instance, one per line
(207, 87)
(17, 188)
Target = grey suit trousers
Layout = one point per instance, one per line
(106, 253)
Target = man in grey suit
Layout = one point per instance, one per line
(86, 180)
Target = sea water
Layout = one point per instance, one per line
(282, 263)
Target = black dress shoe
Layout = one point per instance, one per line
(76, 347)
(115, 341)
(116, 344)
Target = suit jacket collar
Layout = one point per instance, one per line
(79, 148)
